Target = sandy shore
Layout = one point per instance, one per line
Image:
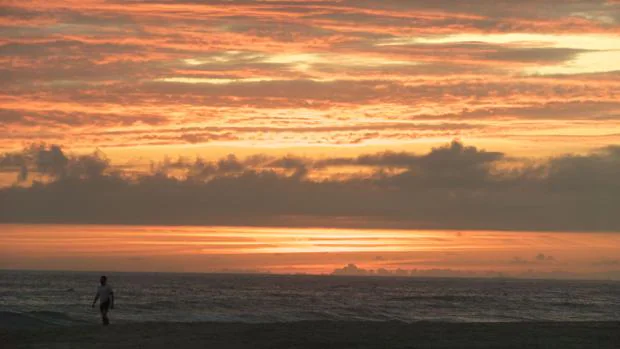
(320, 335)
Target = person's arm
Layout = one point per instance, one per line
(96, 298)
(111, 299)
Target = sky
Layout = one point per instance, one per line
(497, 116)
(359, 252)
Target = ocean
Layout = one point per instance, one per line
(32, 298)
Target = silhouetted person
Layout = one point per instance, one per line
(105, 295)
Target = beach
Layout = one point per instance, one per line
(320, 334)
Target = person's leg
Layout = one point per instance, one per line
(104, 312)
(106, 320)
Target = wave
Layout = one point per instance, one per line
(30, 319)
(442, 298)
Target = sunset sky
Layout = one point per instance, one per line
(380, 120)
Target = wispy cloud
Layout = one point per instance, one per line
(82, 73)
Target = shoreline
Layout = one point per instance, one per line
(320, 334)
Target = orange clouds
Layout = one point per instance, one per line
(289, 73)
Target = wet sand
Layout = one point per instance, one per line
(323, 335)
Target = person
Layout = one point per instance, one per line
(105, 295)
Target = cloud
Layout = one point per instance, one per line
(51, 161)
(540, 258)
(285, 73)
(450, 187)
(352, 270)
(608, 263)
(341, 72)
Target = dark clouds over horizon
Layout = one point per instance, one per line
(455, 186)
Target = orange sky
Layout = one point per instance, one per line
(497, 116)
(286, 250)
(155, 77)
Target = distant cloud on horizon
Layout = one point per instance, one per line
(353, 270)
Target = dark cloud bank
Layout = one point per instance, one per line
(454, 186)
(354, 270)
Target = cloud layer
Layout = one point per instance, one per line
(127, 73)
(453, 186)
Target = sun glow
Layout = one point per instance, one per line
(291, 249)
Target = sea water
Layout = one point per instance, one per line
(65, 298)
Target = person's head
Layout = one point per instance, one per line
(103, 279)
